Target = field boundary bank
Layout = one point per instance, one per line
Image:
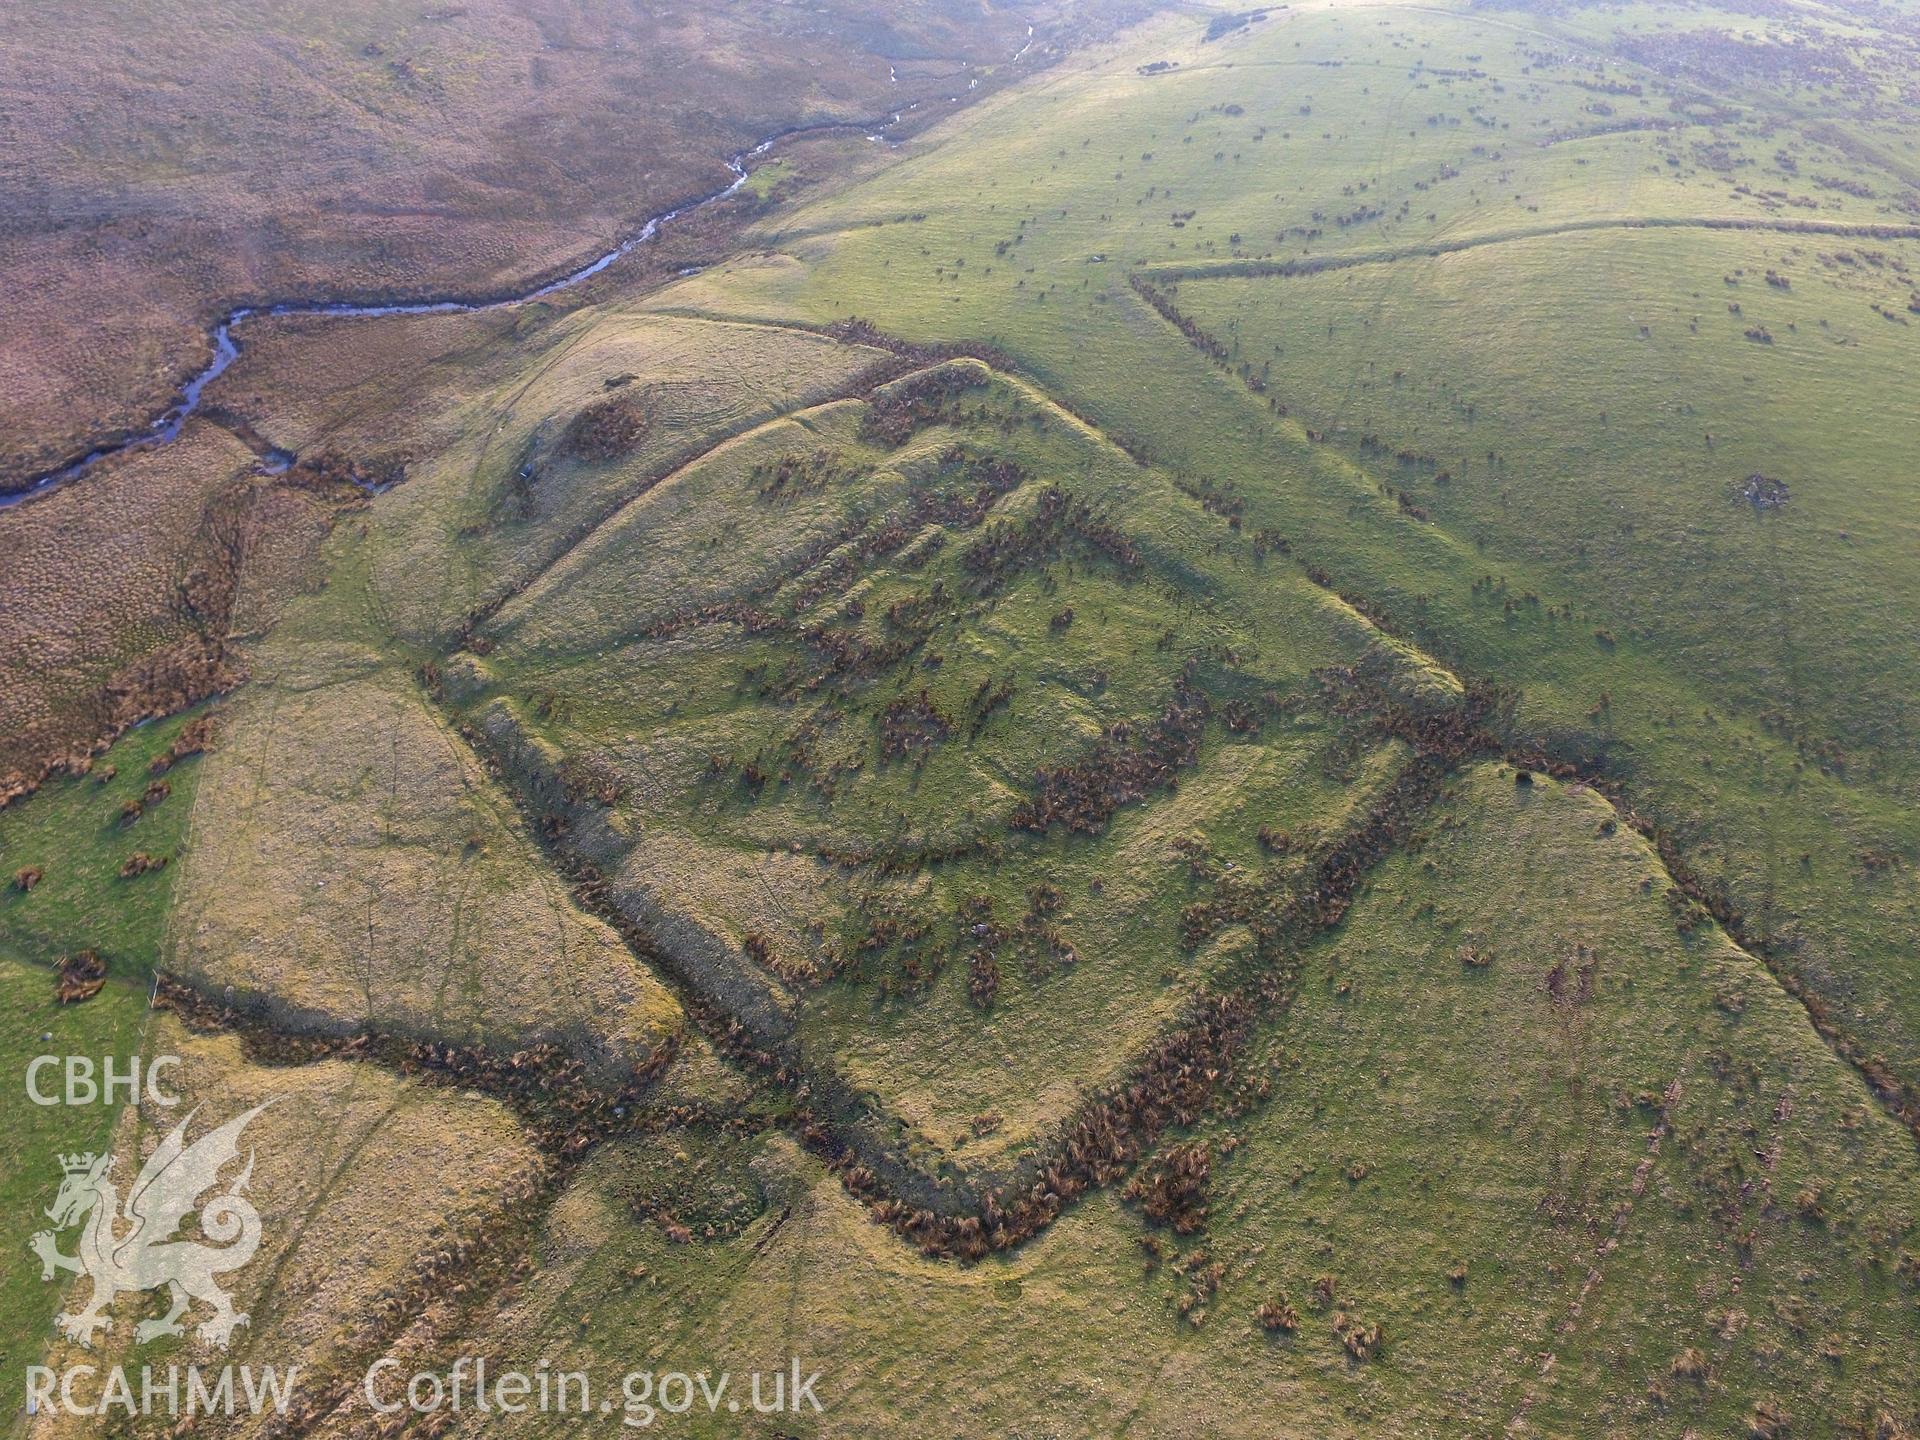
(754, 1031)
(1170, 1082)
(896, 360)
(565, 1122)
(966, 1219)
(1253, 269)
(1167, 1083)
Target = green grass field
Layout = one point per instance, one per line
(75, 834)
(1664, 1202)
(829, 769)
(1734, 666)
(109, 1025)
(1261, 689)
(80, 835)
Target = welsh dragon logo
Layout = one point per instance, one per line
(137, 1249)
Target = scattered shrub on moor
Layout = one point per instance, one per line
(1172, 1187)
(80, 976)
(609, 428)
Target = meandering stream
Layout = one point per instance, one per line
(166, 427)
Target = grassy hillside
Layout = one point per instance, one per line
(1602, 1180)
(1726, 660)
(109, 1025)
(825, 791)
(1229, 752)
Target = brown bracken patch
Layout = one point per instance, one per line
(80, 976)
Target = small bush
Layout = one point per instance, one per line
(1361, 1338)
(1689, 1364)
(194, 738)
(80, 977)
(1277, 1314)
(608, 429)
(1172, 1189)
(588, 777)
